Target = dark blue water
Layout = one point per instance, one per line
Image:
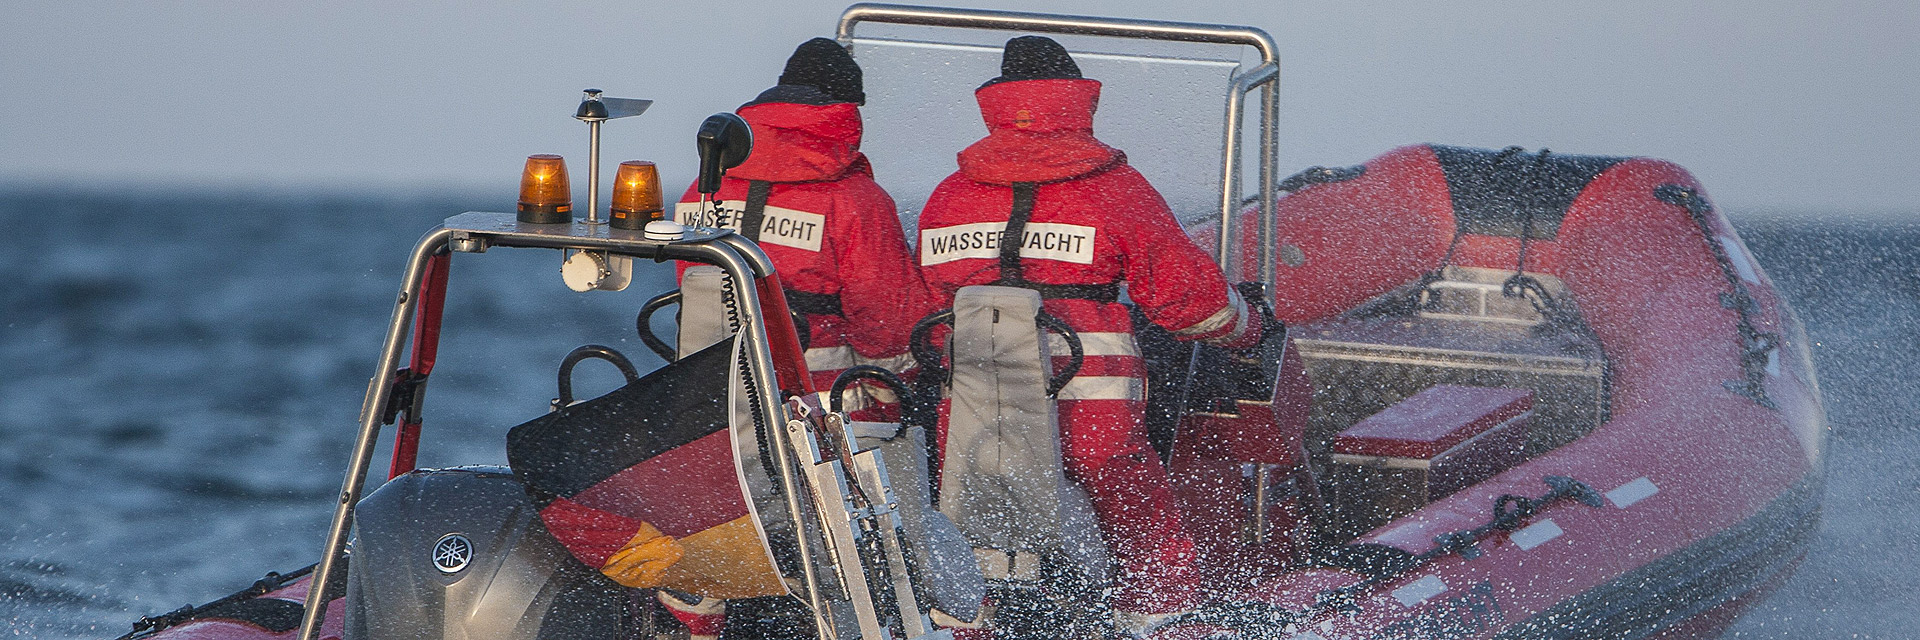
(180, 376)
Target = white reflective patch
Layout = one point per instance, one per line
(1625, 495)
(1420, 590)
(829, 358)
(1773, 362)
(1234, 312)
(793, 228)
(1096, 344)
(895, 364)
(1040, 240)
(1742, 263)
(779, 225)
(1306, 635)
(1102, 388)
(725, 214)
(1536, 534)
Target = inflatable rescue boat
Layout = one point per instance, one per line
(1503, 394)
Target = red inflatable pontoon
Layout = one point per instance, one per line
(1709, 464)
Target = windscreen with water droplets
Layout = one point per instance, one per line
(1164, 104)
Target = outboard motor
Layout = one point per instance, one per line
(461, 554)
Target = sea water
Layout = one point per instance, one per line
(180, 376)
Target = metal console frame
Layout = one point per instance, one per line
(475, 233)
(1265, 76)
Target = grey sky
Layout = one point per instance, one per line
(1786, 105)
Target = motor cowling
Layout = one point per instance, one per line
(461, 554)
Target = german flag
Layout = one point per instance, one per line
(641, 483)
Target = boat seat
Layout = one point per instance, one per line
(703, 316)
(1002, 480)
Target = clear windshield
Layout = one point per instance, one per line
(1166, 108)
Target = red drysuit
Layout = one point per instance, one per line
(1094, 223)
(830, 230)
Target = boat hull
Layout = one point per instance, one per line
(1712, 485)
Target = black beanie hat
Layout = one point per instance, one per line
(1035, 58)
(826, 65)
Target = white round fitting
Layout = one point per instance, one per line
(665, 230)
(584, 270)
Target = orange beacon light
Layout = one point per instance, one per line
(636, 195)
(545, 197)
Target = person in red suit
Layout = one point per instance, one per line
(807, 195)
(1041, 203)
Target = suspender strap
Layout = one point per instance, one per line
(751, 221)
(756, 214)
(1011, 273)
(819, 304)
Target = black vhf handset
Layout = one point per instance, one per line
(724, 142)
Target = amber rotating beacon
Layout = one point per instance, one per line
(545, 197)
(636, 195)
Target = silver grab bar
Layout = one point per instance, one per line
(1266, 75)
(743, 261)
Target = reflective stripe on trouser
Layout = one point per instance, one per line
(828, 362)
(1105, 449)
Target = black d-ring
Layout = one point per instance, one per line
(1077, 354)
(644, 325)
(856, 373)
(584, 352)
(925, 354)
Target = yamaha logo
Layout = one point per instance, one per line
(452, 553)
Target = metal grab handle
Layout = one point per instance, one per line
(643, 324)
(920, 344)
(1050, 23)
(475, 232)
(584, 352)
